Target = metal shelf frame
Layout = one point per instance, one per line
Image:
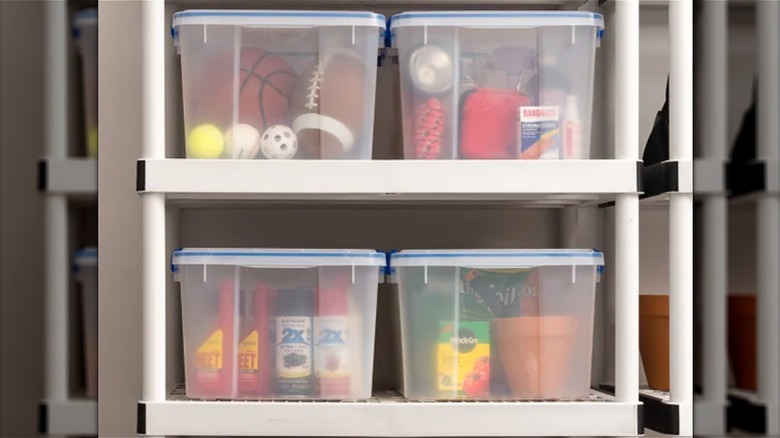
(61, 180)
(621, 415)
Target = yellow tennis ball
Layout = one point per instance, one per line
(205, 141)
(92, 143)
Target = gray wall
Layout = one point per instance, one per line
(21, 219)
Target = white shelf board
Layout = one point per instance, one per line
(69, 417)
(709, 418)
(70, 176)
(547, 182)
(390, 416)
(414, 4)
(709, 177)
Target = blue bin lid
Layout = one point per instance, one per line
(497, 19)
(260, 18)
(86, 17)
(275, 257)
(85, 257)
(498, 258)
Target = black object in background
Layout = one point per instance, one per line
(744, 149)
(657, 146)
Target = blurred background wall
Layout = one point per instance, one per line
(22, 130)
(21, 217)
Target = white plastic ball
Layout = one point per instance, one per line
(279, 142)
(243, 141)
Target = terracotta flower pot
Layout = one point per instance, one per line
(742, 339)
(536, 354)
(654, 339)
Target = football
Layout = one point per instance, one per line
(328, 105)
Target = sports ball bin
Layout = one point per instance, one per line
(278, 84)
(85, 266)
(496, 324)
(278, 323)
(86, 36)
(496, 84)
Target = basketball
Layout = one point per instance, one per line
(265, 84)
(329, 107)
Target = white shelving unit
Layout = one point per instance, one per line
(710, 189)
(168, 182)
(525, 182)
(670, 185)
(759, 182)
(61, 181)
(71, 177)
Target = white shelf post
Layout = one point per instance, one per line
(681, 214)
(56, 206)
(768, 213)
(713, 135)
(570, 227)
(153, 205)
(627, 205)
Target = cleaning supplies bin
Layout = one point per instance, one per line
(278, 323)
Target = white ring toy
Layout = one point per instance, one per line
(326, 124)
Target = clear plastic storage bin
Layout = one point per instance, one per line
(85, 265)
(278, 84)
(86, 35)
(496, 85)
(278, 323)
(496, 324)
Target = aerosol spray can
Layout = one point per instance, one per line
(294, 369)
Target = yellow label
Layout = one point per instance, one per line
(209, 354)
(247, 352)
(464, 359)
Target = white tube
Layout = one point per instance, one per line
(768, 106)
(714, 292)
(627, 80)
(56, 73)
(627, 298)
(56, 209)
(153, 205)
(56, 206)
(681, 300)
(681, 214)
(153, 109)
(768, 212)
(713, 137)
(154, 329)
(681, 80)
(712, 106)
(768, 240)
(570, 227)
(627, 206)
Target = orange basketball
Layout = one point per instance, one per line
(265, 83)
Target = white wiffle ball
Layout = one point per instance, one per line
(279, 142)
(243, 141)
